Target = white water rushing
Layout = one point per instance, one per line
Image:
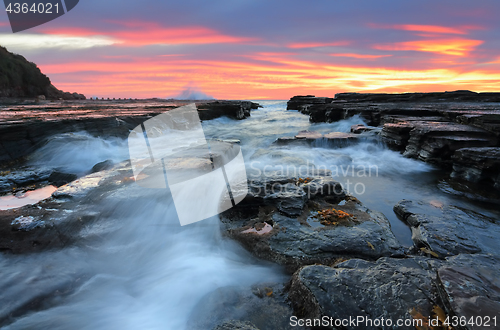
(148, 275)
(148, 272)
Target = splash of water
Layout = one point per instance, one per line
(192, 92)
(78, 152)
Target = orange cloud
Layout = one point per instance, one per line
(362, 56)
(317, 44)
(139, 34)
(455, 47)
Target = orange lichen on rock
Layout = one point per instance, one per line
(333, 217)
(304, 181)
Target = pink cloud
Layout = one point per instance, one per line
(317, 44)
(361, 56)
(146, 33)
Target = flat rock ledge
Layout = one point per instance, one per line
(458, 131)
(24, 128)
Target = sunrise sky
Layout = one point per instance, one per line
(253, 49)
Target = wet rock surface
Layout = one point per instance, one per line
(28, 178)
(388, 288)
(12, 179)
(437, 142)
(38, 289)
(298, 221)
(469, 286)
(65, 218)
(464, 286)
(469, 191)
(232, 109)
(478, 165)
(444, 230)
(455, 274)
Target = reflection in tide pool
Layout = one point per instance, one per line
(26, 198)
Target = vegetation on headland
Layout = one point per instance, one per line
(21, 78)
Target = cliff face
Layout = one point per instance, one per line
(21, 78)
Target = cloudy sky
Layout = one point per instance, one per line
(266, 49)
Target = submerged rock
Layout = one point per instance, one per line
(261, 307)
(299, 221)
(331, 140)
(102, 166)
(25, 292)
(469, 190)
